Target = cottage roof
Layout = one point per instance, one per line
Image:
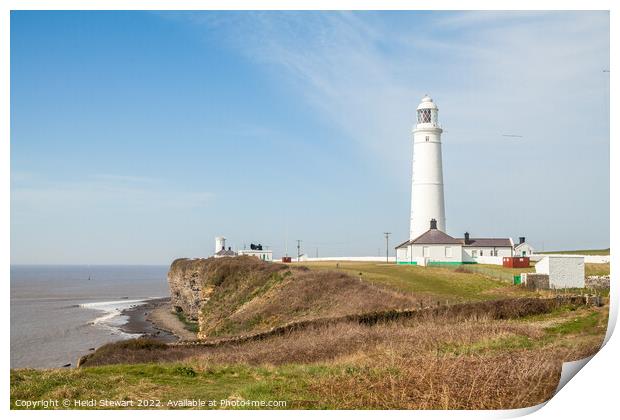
(487, 242)
(522, 244)
(437, 237)
(432, 237)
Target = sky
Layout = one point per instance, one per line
(137, 137)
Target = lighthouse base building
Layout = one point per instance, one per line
(435, 247)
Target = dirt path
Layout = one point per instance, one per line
(164, 319)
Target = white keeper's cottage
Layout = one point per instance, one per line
(435, 247)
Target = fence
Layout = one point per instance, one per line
(494, 273)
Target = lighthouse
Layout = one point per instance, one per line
(427, 200)
(428, 242)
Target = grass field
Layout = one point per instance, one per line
(597, 269)
(445, 284)
(505, 273)
(433, 362)
(437, 363)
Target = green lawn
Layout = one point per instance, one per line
(165, 384)
(597, 269)
(590, 269)
(435, 282)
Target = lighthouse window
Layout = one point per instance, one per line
(424, 116)
(427, 138)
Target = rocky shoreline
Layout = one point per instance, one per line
(153, 319)
(140, 321)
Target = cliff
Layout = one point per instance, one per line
(229, 296)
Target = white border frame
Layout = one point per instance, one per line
(591, 394)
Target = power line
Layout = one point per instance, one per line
(387, 246)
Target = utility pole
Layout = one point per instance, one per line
(298, 249)
(387, 246)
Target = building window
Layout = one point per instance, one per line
(449, 251)
(474, 253)
(427, 138)
(424, 116)
(425, 251)
(481, 253)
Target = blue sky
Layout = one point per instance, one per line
(139, 136)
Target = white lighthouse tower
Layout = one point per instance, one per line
(427, 201)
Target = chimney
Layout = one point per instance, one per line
(466, 238)
(521, 240)
(433, 224)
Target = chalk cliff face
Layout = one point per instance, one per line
(185, 280)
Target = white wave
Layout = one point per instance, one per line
(112, 318)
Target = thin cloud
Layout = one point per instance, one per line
(126, 194)
(504, 62)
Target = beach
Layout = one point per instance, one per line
(155, 319)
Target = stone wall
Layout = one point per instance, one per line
(597, 282)
(535, 281)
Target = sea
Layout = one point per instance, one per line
(60, 312)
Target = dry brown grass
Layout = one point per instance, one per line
(510, 380)
(251, 295)
(317, 344)
(323, 294)
(434, 362)
(435, 332)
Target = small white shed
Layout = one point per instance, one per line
(523, 250)
(563, 270)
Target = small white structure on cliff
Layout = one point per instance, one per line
(258, 252)
(563, 270)
(220, 248)
(220, 243)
